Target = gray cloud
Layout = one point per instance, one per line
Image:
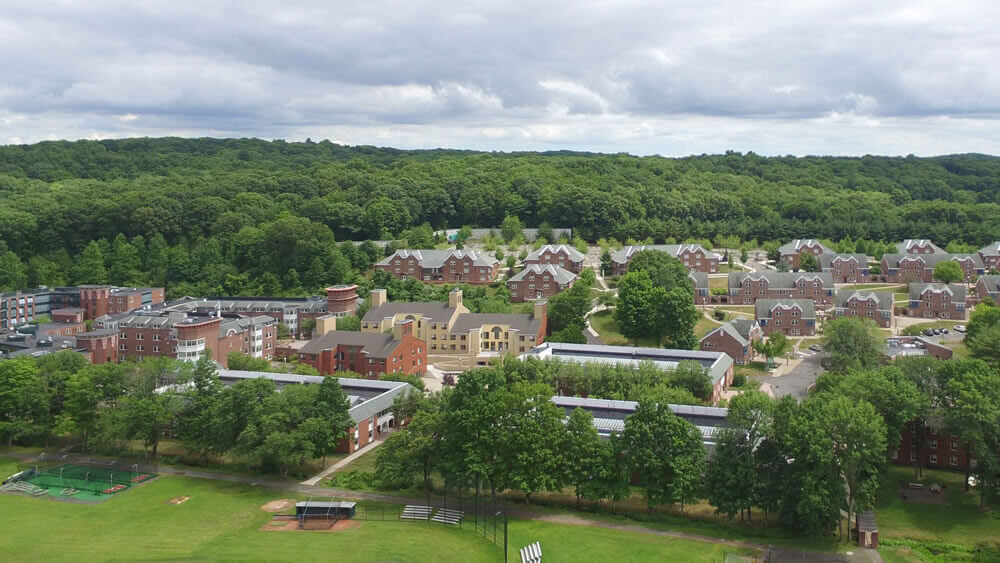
(776, 77)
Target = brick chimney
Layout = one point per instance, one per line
(379, 297)
(402, 328)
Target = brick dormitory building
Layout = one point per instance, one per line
(791, 317)
(539, 281)
(453, 266)
(24, 306)
(368, 354)
(735, 338)
(912, 267)
(561, 255)
(746, 288)
(936, 301)
(873, 305)
(694, 257)
(791, 253)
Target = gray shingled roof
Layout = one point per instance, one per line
(743, 326)
(826, 260)
(623, 255)
(150, 321)
(374, 344)
(433, 311)
(700, 279)
(560, 275)
(796, 245)
(992, 282)
(573, 254)
(243, 324)
(910, 242)
(957, 291)
(731, 331)
(763, 307)
(437, 258)
(780, 280)
(883, 299)
(931, 260)
(992, 249)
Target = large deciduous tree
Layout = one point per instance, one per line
(853, 344)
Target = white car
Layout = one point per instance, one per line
(959, 328)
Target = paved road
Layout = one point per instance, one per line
(798, 380)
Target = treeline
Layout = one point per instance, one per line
(799, 464)
(275, 207)
(105, 408)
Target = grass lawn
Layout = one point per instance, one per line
(943, 323)
(718, 282)
(222, 521)
(958, 521)
(704, 326)
(893, 287)
(606, 327)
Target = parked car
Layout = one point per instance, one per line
(928, 332)
(816, 348)
(937, 331)
(959, 328)
(944, 331)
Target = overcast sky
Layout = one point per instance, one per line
(671, 78)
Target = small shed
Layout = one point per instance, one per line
(867, 530)
(339, 509)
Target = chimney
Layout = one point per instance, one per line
(325, 324)
(379, 297)
(540, 309)
(455, 299)
(402, 328)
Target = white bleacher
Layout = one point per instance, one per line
(532, 553)
(448, 516)
(416, 512)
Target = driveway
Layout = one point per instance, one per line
(797, 380)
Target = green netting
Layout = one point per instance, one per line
(95, 480)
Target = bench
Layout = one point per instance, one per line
(532, 553)
(448, 516)
(416, 512)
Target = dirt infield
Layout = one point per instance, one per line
(279, 505)
(293, 526)
(178, 500)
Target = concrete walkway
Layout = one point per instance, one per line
(343, 463)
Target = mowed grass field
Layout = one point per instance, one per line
(222, 521)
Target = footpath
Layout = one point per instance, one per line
(778, 554)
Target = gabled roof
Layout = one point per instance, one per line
(826, 260)
(573, 254)
(931, 260)
(992, 249)
(780, 280)
(992, 282)
(763, 307)
(729, 329)
(796, 245)
(910, 243)
(956, 291)
(743, 326)
(883, 299)
(243, 324)
(623, 255)
(560, 275)
(700, 279)
(374, 344)
(437, 258)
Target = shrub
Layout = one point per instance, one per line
(739, 380)
(355, 480)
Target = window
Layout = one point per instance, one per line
(933, 444)
(953, 460)
(913, 456)
(953, 446)
(139, 348)
(933, 458)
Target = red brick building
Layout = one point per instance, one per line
(100, 346)
(918, 246)
(990, 255)
(368, 354)
(746, 288)
(735, 338)
(930, 446)
(176, 335)
(453, 266)
(538, 281)
(908, 268)
(342, 300)
(67, 315)
(987, 286)
(873, 305)
(936, 301)
(694, 257)
(792, 317)
(564, 256)
(845, 268)
(791, 252)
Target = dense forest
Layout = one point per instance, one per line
(219, 214)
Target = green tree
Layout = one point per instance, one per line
(691, 376)
(529, 417)
(239, 361)
(545, 233)
(973, 400)
(808, 263)
(580, 451)
(90, 266)
(774, 346)
(984, 317)
(607, 265)
(666, 452)
(13, 274)
(948, 271)
(853, 344)
(635, 302)
(511, 228)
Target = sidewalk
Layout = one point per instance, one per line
(342, 463)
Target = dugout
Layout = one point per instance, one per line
(318, 508)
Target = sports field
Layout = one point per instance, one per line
(223, 520)
(86, 483)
